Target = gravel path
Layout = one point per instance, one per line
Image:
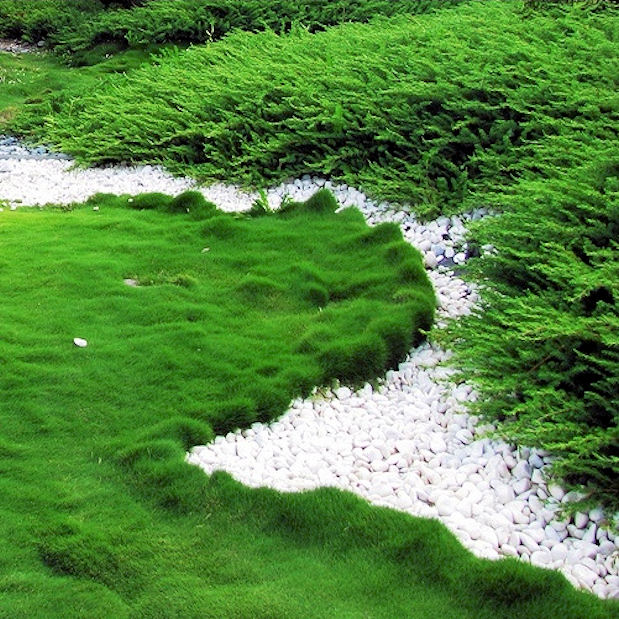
(14, 46)
(408, 444)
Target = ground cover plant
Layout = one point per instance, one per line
(544, 347)
(35, 20)
(231, 317)
(31, 78)
(71, 26)
(422, 109)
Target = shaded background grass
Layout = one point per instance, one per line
(78, 25)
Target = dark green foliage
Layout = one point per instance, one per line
(584, 5)
(81, 25)
(419, 109)
(34, 20)
(545, 351)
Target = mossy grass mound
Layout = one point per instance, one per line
(101, 515)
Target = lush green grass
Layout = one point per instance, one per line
(100, 515)
(422, 109)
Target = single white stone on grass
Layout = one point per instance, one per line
(80, 342)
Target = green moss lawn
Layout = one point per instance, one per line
(439, 106)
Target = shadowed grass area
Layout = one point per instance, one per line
(101, 517)
(29, 79)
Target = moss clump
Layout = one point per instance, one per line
(149, 201)
(192, 203)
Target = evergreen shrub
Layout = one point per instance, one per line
(544, 350)
(79, 25)
(419, 109)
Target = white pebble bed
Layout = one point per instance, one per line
(408, 444)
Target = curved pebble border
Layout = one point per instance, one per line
(409, 444)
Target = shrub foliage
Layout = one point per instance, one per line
(421, 109)
(74, 25)
(545, 348)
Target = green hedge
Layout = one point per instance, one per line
(77, 26)
(418, 109)
(545, 349)
(35, 20)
